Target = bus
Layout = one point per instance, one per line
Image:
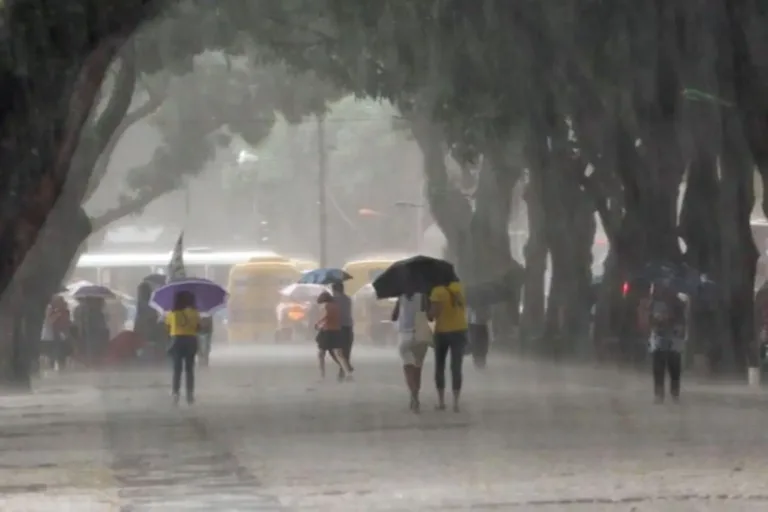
(123, 272)
(254, 294)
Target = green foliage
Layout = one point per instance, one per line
(358, 138)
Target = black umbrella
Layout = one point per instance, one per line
(418, 274)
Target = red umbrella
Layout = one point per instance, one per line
(123, 347)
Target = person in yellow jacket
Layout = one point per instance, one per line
(183, 326)
(448, 309)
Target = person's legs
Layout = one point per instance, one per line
(343, 363)
(349, 340)
(346, 346)
(178, 365)
(457, 342)
(675, 368)
(321, 362)
(405, 348)
(189, 376)
(61, 354)
(419, 353)
(188, 353)
(321, 340)
(659, 368)
(442, 347)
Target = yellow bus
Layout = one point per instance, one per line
(364, 271)
(254, 295)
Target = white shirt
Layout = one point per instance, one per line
(406, 319)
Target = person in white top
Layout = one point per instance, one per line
(415, 335)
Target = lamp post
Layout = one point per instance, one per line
(322, 161)
(419, 209)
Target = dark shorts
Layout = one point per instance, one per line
(347, 337)
(183, 346)
(330, 340)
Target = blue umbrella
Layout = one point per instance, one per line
(93, 291)
(324, 276)
(209, 296)
(682, 278)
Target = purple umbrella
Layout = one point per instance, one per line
(209, 296)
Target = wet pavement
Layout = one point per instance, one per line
(266, 435)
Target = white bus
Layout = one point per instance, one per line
(124, 271)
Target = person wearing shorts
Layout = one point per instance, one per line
(410, 313)
(329, 336)
(347, 323)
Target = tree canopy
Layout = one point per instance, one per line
(608, 105)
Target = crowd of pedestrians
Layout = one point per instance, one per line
(440, 320)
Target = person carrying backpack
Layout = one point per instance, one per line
(667, 320)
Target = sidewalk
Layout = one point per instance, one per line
(53, 451)
(266, 436)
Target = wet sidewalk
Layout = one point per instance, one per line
(265, 435)
(52, 451)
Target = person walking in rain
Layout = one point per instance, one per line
(347, 323)
(447, 308)
(329, 337)
(667, 320)
(57, 333)
(479, 334)
(90, 321)
(415, 335)
(183, 326)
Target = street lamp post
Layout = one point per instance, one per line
(321, 191)
(419, 208)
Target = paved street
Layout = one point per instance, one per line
(266, 435)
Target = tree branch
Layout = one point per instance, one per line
(129, 206)
(120, 99)
(96, 137)
(102, 164)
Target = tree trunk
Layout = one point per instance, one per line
(570, 233)
(39, 278)
(739, 254)
(536, 252)
(699, 218)
(492, 256)
(449, 207)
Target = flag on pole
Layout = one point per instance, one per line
(176, 271)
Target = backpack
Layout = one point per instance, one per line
(423, 332)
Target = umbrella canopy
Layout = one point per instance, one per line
(299, 292)
(209, 296)
(416, 274)
(324, 276)
(681, 278)
(73, 287)
(93, 291)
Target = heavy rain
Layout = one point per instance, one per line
(402, 255)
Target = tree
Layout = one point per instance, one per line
(616, 74)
